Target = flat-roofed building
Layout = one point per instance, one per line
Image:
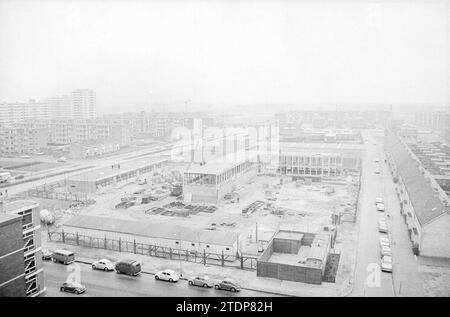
(295, 256)
(90, 181)
(211, 182)
(153, 234)
(315, 161)
(21, 269)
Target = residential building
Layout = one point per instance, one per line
(22, 140)
(21, 223)
(424, 204)
(12, 113)
(83, 104)
(59, 107)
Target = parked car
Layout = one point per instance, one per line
(46, 255)
(377, 171)
(377, 160)
(167, 275)
(25, 157)
(379, 200)
(228, 285)
(142, 181)
(385, 242)
(385, 250)
(382, 219)
(103, 264)
(386, 264)
(382, 227)
(200, 281)
(73, 288)
(380, 207)
(62, 159)
(129, 267)
(63, 256)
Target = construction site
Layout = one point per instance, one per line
(233, 225)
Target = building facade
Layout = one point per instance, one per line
(25, 228)
(22, 140)
(83, 103)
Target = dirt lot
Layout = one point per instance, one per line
(306, 207)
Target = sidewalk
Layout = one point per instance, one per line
(246, 278)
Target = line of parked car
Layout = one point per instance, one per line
(133, 268)
(385, 244)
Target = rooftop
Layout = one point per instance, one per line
(8, 218)
(18, 205)
(107, 172)
(212, 167)
(426, 205)
(152, 230)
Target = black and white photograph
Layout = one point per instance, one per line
(231, 156)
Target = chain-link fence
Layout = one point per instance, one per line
(205, 258)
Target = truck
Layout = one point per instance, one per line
(5, 177)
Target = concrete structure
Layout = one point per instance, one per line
(315, 161)
(21, 272)
(59, 107)
(423, 203)
(22, 140)
(83, 103)
(85, 131)
(90, 181)
(295, 256)
(14, 112)
(12, 276)
(210, 182)
(163, 235)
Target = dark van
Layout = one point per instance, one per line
(129, 267)
(63, 256)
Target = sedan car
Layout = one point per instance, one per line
(228, 285)
(385, 242)
(200, 281)
(386, 264)
(167, 275)
(382, 227)
(46, 255)
(377, 171)
(103, 264)
(380, 207)
(378, 200)
(385, 250)
(73, 288)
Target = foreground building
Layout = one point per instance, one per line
(295, 256)
(21, 272)
(126, 234)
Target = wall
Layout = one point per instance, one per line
(435, 238)
(168, 243)
(12, 265)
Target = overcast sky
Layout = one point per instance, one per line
(133, 53)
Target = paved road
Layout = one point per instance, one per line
(111, 284)
(108, 161)
(404, 281)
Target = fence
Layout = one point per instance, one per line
(48, 191)
(205, 258)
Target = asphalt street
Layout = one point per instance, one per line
(111, 284)
(369, 280)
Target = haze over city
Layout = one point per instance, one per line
(261, 151)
